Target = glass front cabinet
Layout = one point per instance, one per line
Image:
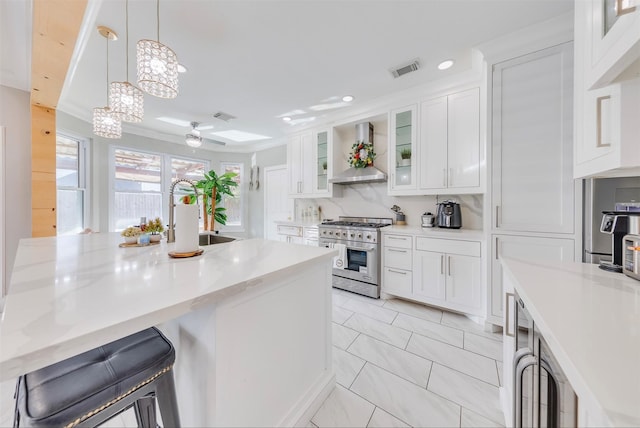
(402, 149)
(323, 162)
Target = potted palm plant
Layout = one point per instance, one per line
(213, 187)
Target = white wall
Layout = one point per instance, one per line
(15, 115)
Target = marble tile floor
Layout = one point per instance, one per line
(402, 364)
(397, 364)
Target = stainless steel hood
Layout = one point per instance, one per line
(371, 174)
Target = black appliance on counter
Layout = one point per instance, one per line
(616, 224)
(449, 215)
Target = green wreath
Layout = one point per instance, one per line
(362, 155)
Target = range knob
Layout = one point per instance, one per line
(360, 235)
(344, 233)
(369, 237)
(352, 234)
(330, 233)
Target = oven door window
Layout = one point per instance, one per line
(357, 260)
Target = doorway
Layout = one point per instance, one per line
(278, 206)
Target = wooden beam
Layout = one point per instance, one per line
(55, 28)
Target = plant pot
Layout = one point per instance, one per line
(131, 239)
(155, 237)
(405, 162)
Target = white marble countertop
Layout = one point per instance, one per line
(72, 293)
(436, 232)
(301, 223)
(591, 320)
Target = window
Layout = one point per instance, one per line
(141, 184)
(137, 187)
(71, 197)
(233, 205)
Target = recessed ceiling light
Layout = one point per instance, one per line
(181, 68)
(174, 121)
(347, 98)
(240, 136)
(286, 119)
(445, 64)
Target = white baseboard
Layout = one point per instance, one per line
(302, 412)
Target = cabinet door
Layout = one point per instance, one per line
(396, 281)
(433, 144)
(464, 285)
(533, 188)
(428, 274)
(463, 150)
(294, 167)
(321, 165)
(402, 149)
(307, 162)
(529, 249)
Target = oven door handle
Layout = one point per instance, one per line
(367, 249)
(553, 397)
(524, 362)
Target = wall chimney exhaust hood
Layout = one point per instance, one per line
(370, 174)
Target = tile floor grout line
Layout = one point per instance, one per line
(466, 374)
(371, 417)
(383, 342)
(356, 376)
(436, 323)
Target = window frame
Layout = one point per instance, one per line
(243, 196)
(84, 175)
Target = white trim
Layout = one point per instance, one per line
(3, 253)
(243, 198)
(84, 173)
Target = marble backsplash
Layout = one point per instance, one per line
(371, 200)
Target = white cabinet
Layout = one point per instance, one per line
(402, 149)
(448, 154)
(526, 248)
(397, 272)
(448, 273)
(609, 34)
(450, 143)
(297, 234)
(532, 179)
(310, 164)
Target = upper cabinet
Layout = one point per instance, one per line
(447, 156)
(607, 88)
(610, 30)
(310, 164)
(402, 149)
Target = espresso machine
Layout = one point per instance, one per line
(615, 224)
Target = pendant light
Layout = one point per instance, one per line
(157, 66)
(126, 100)
(105, 123)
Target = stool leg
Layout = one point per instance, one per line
(167, 402)
(145, 408)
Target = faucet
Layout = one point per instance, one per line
(171, 233)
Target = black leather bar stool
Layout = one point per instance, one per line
(90, 388)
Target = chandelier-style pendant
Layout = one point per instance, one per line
(126, 101)
(106, 124)
(157, 69)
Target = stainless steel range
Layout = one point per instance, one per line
(358, 241)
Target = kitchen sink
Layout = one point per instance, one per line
(211, 239)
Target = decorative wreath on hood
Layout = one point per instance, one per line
(362, 155)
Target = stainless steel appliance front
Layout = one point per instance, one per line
(361, 272)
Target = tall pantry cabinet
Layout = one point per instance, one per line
(533, 194)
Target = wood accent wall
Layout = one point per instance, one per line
(56, 25)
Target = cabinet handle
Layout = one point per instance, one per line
(621, 10)
(395, 237)
(442, 264)
(507, 324)
(496, 248)
(449, 265)
(450, 177)
(444, 177)
(497, 216)
(396, 251)
(397, 271)
(599, 138)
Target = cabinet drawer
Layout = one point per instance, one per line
(399, 258)
(396, 281)
(311, 232)
(398, 241)
(289, 230)
(449, 246)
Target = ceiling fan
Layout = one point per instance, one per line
(193, 138)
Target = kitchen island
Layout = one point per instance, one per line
(590, 320)
(250, 319)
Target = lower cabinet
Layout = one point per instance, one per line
(295, 234)
(441, 272)
(528, 248)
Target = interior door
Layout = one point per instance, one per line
(278, 206)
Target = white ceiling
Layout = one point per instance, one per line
(259, 60)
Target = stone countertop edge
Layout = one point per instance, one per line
(580, 310)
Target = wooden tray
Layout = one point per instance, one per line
(184, 255)
(124, 244)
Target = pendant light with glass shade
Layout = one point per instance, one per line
(157, 66)
(106, 123)
(125, 99)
